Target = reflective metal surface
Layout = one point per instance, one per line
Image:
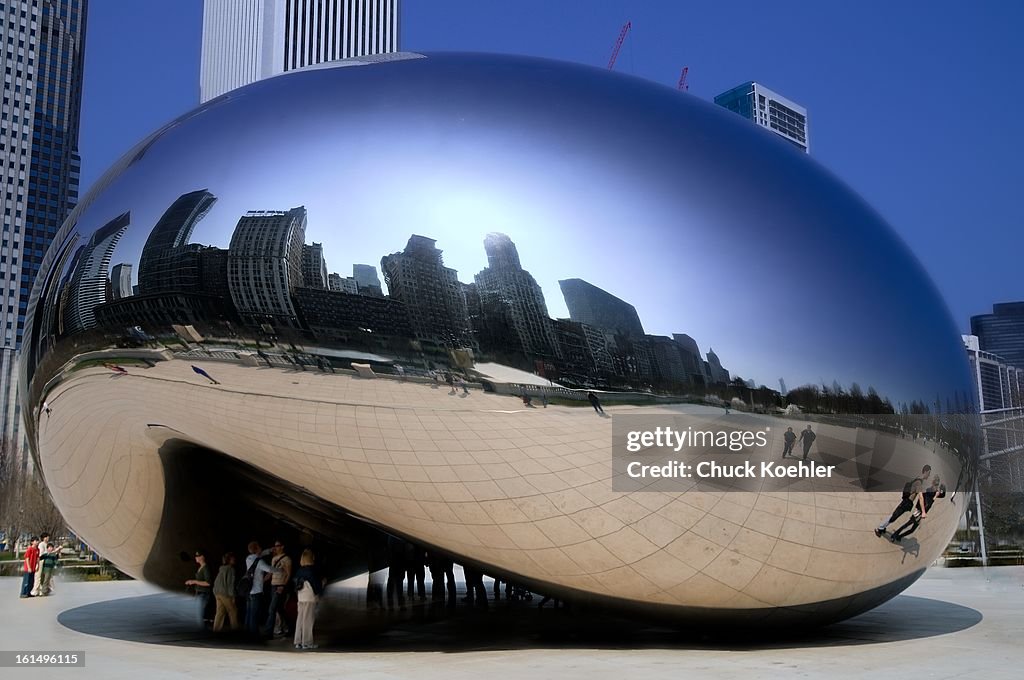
(233, 337)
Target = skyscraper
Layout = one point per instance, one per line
(431, 292)
(506, 284)
(366, 278)
(165, 264)
(770, 110)
(121, 280)
(314, 266)
(1002, 331)
(43, 57)
(718, 372)
(265, 265)
(596, 307)
(248, 40)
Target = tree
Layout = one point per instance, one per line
(25, 504)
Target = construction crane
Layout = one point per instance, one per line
(683, 85)
(618, 43)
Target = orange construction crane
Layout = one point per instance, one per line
(618, 43)
(683, 85)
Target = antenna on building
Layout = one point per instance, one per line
(683, 85)
(618, 44)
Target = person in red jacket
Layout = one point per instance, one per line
(28, 569)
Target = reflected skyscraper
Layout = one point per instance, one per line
(366, 279)
(44, 59)
(314, 266)
(265, 265)
(504, 283)
(717, 371)
(691, 358)
(248, 40)
(88, 285)
(430, 291)
(165, 264)
(121, 280)
(597, 307)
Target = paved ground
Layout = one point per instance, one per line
(953, 623)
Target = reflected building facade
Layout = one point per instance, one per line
(168, 262)
(430, 292)
(88, 286)
(367, 281)
(265, 265)
(314, 266)
(506, 289)
(121, 280)
(590, 305)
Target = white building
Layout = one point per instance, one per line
(121, 280)
(770, 110)
(248, 40)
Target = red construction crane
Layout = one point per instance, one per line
(618, 43)
(682, 79)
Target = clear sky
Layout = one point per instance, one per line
(914, 104)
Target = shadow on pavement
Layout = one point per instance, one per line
(168, 619)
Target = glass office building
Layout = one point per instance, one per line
(43, 53)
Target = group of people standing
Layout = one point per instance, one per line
(265, 587)
(38, 566)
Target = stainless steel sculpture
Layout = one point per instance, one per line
(196, 373)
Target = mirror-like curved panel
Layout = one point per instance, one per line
(383, 299)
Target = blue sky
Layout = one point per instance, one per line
(913, 104)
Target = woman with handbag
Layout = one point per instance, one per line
(309, 586)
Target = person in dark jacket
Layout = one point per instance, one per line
(925, 501)
(595, 402)
(309, 587)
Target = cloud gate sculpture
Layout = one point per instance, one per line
(374, 299)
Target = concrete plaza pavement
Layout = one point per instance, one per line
(953, 623)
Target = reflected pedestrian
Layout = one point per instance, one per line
(924, 503)
(595, 402)
(789, 438)
(906, 505)
(203, 586)
(807, 438)
(476, 593)
(396, 572)
(415, 566)
(224, 594)
(196, 369)
(442, 574)
(116, 369)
